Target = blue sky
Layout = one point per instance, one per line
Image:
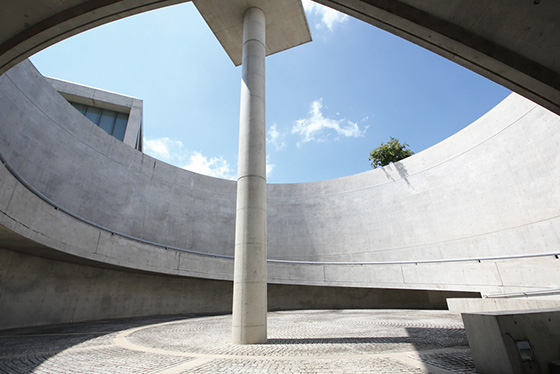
(329, 102)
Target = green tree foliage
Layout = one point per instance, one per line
(392, 151)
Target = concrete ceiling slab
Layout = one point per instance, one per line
(286, 24)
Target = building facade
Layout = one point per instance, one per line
(118, 115)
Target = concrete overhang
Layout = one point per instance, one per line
(286, 24)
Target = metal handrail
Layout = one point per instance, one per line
(526, 293)
(37, 193)
(416, 262)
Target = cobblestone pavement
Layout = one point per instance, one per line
(313, 341)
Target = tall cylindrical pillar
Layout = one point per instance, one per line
(249, 280)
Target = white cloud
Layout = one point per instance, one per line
(275, 138)
(269, 166)
(214, 166)
(318, 128)
(175, 153)
(164, 149)
(329, 17)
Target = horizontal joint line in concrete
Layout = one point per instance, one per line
(248, 282)
(251, 175)
(262, 324)
(255, 40)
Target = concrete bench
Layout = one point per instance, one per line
(526, 341)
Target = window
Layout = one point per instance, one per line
(113, 123)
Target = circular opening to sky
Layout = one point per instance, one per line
(329, 102)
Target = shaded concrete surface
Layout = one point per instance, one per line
(35, 291)
(320, 341)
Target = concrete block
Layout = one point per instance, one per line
(459, 305)
(519, 342)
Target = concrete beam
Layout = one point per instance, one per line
(286, 25)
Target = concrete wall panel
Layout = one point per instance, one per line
(542, 271)
(28, 216)
(37, 291)
(111, 185)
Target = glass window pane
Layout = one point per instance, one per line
(107, 121)
(120, 126)
(93, 114)
(80, 107)
(137, 145)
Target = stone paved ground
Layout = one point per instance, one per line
(320, 341)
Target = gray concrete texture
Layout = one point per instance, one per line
(522, 342)
(520, 302)
(512, 42)
(249, 277)
(39, 291)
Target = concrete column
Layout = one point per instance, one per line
(249, 279)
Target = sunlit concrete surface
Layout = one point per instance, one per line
(249, 275)
(320, 341)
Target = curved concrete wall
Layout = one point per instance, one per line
(37, 291)
(60, 153)
(485, 193)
